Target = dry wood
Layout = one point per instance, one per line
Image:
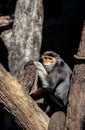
(27, 79)
(81, 50)
(76, 108)
(25, 41)
(5, 20)
(29, 115)
(57, 121)
(6, 36)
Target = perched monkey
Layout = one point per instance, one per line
(55, 76)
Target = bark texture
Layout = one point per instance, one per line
(57, 121)
(26, 35)
(76, 107)
(29, 115)
(27, 79)
(6, 37)
(81, 50)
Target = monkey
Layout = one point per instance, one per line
(55, 76)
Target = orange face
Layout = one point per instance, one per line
(48, 60)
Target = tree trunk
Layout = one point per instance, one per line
(29, 115)
(76, 107)
(24, 43)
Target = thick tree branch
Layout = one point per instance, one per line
(76, 108)
(26, 35)
(30, 116)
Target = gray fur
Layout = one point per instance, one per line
(57, 80)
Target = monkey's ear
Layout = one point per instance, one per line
(57, 56)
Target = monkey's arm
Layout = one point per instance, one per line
(48, 81)
(43, 74)
(40, 67)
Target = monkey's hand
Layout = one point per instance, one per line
(28, 63)
(42, 73)
(40, 68)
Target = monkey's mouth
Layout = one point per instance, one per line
(47, 63)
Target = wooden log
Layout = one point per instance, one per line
(57, 121)
(25, 110)
(5, 21)
(76, 108)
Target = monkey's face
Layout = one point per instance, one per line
(49, 62)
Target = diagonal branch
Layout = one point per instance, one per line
(29, 115)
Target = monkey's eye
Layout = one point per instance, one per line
(45, 57)
(50, 58)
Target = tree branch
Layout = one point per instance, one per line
(30, 116)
